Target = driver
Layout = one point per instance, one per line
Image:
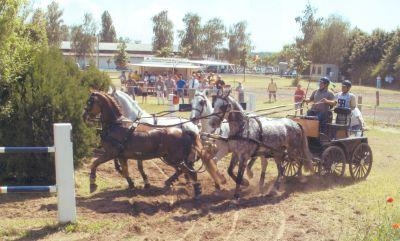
(323, 100)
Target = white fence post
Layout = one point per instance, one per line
(252, 102)
(64, 173)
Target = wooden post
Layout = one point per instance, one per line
(359, 102)
(377, 98)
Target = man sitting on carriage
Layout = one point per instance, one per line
(323, 100)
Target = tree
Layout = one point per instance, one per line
(54, 24)
(107, 33)
(213, 37)
(389, 65)
(121, 58)
(309, 25)
(239, 41)
(163, 34)
(83, 38)
(330, 41)
(190, 38)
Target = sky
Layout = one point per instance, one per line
(271, 23)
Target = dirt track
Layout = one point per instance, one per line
(160, 214)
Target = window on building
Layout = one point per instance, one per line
(319, 70)
(313, 70)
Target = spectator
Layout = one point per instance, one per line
(272, 88)
(378, 82)
(122, 77)
(193, 86)
(219, 84)
(299, 96)
(144, 92)
(180, 88)
(323, 99)
(240, 92)
(160, 89)
(169, 85)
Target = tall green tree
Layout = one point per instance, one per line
(309, 25)
(330, 42)
(389, 65)
(107, 33)
(54, 24)
(163, 34)
(121, 58)
(213, 37)
(83, 38)
(190, 37)
(238, 42)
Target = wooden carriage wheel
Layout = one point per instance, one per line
(361, 162)
(333, 161)
(291, 168)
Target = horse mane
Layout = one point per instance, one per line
(111, 102)
(235, 104)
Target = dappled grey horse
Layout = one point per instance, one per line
(252, 136)
(202, 111)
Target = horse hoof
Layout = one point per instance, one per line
(93, 188)
(147, 185)
(245, 183)
(222, 179)
(249, 173)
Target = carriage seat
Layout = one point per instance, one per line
(340, 129)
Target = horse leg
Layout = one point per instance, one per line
(144, 176)
(196, 184)
(264, 164)
(173, 178)
(232, 164)
(249, 172)
(117, 166)
(92, 176)
(125, 172)
(242, 166)
(280, 173)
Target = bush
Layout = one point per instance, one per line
(52, 90)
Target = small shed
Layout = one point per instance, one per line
(318, 71)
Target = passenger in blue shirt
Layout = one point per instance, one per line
(180, 88)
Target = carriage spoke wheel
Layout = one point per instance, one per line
(333, 161)
(361, 162)
(291, 168)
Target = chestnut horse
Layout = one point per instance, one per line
(119, 139)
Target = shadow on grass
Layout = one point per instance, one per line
(43, 232)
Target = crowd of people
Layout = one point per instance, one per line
(163, 84)
(323, 99)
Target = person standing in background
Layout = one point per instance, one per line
(180, 88)
(160, 89)
(299, 96)
(272, 88)
(240, 92)
(193, 85)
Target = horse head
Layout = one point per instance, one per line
(101, 103)
(201, 106)
(223, 104)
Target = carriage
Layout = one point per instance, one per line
(332, 151)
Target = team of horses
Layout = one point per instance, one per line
(129, 132)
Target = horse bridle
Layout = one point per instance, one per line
(224, 108)
(202, 104)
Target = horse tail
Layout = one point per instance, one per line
(308, 159)
(206, 158)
